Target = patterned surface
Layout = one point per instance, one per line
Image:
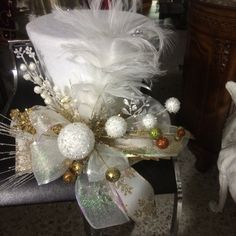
(64, 219)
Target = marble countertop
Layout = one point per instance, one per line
(228, 3)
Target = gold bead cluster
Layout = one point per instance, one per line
(22, 121)
(74, 169)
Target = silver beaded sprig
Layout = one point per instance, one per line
(52, 95)
(135, 107)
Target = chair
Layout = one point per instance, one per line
(163, 175)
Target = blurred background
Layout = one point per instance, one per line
(14, 14)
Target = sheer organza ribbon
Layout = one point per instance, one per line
(103, 203)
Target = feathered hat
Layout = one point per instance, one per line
(98, 55)
(96, 121)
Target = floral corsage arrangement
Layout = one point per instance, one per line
(92, 141)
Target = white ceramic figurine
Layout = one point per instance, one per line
(227, 157)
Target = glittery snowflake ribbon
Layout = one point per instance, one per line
(107, 204)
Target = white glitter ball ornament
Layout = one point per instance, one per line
(172, 105)
(149, 121)
(76, 141)
(116, 127)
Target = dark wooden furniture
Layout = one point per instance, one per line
(7, 14)
(210, 61)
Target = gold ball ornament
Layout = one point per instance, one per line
(162, 142)
(68, 162)
(68, 177)
(155, 133)
(14, 113)
(76, 167)
(112, 175)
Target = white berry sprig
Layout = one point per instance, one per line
(51, 95)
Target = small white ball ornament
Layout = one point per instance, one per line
(37, 80)
(44, 94)
(26, 76)
(48, 100)
(116, 126)
(149, 121)
(172, 105)
(23, 67)
(32, 66)
(37, 90)
(76, 141)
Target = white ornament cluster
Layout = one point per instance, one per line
(172, 105)
(51, 95)
(116, 127)
(76, 141)
(32, 73)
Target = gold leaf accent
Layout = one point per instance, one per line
(97, 125)
(56, 128)
(23, 162)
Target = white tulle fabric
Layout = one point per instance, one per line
(47, 161)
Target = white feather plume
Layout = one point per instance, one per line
(105, 41)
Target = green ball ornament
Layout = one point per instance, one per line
(155, 133)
